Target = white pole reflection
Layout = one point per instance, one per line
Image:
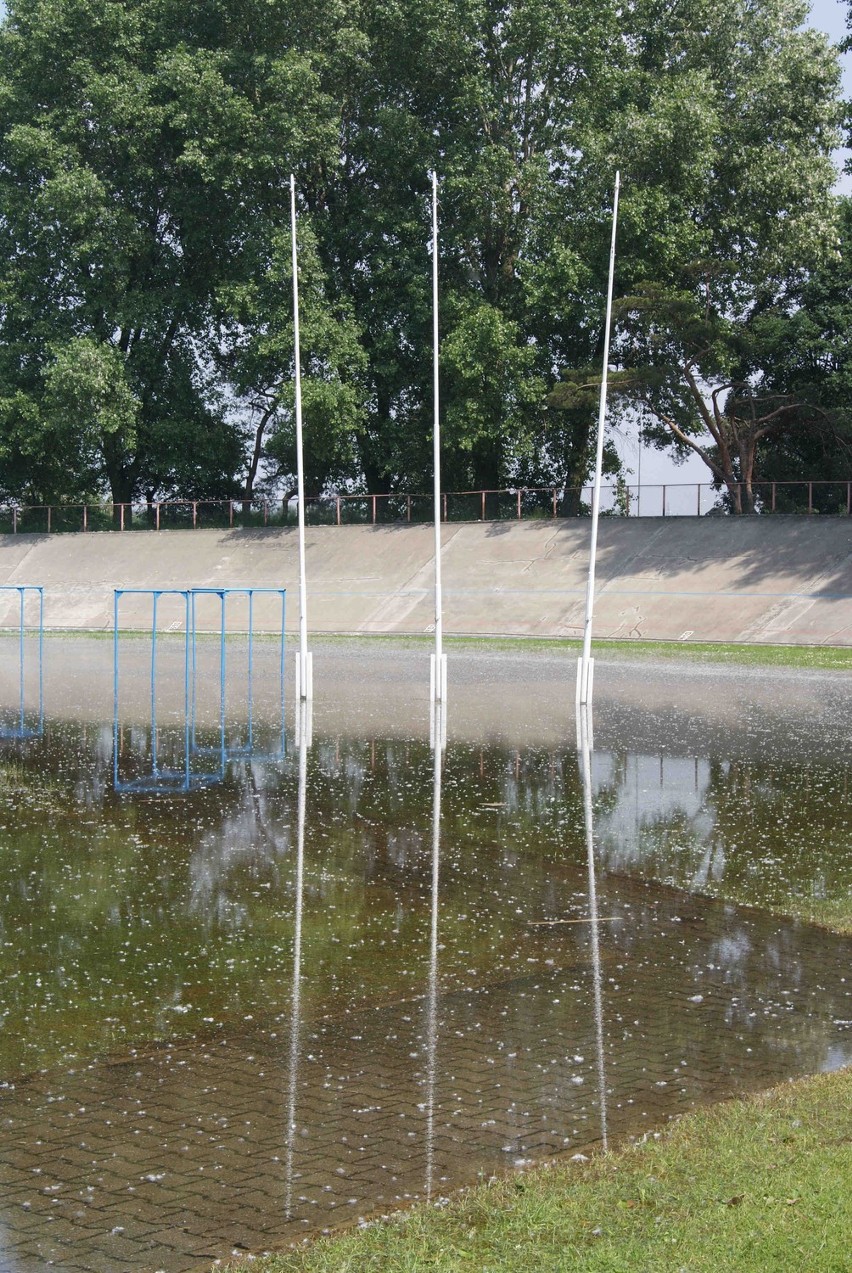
(584, 748)
(439, 742)
(303, 742)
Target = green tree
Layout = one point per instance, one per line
(145, 151)
(812, 364)
(723, 117)
(255, 358)
(142, 143)
(489, 95)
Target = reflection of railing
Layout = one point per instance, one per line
(621, 499)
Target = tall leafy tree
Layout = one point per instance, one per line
(145, 150)
(142, 142)
(721, 115)
(489, 94)
(812, 365)
(725, 115)
(255, 357)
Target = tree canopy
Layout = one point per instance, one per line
(145, 285)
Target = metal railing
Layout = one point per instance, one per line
(674, 499)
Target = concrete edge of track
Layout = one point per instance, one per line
(757, 580)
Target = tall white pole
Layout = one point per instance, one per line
(304, 670)
(585, 665)
(439, 665)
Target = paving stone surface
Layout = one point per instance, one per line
(171, 1158)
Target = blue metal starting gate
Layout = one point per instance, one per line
(176, 767)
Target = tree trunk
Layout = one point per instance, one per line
(121, 488)
(488, 475)
(576, 467)
(254, 462)
(748, 455)
(122, 480)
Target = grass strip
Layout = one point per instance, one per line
(753, 1185)
(816, 657)
(832, 913)
(794, 656)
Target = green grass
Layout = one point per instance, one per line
(834, 913)
(753, 1186)
(818, 657)
(796, 656)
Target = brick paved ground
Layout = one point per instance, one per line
(171, 1158)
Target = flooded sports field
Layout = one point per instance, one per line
(262, 977)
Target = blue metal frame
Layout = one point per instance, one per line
(22, 730)
(161, 780)
(248, 749)
(169, 780)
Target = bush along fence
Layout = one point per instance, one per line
(686, 499)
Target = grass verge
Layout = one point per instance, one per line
(816, 657)
(756, 1185)
(813, 657)
(830, 912)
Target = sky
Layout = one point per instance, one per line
(830, 16)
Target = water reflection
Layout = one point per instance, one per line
(304, 712)
(491, 977)
(584, 733)
(438, 742)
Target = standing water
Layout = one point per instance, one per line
(342, 978)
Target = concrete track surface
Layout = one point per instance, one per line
(771, 579)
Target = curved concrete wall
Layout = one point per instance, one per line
(772, 579)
